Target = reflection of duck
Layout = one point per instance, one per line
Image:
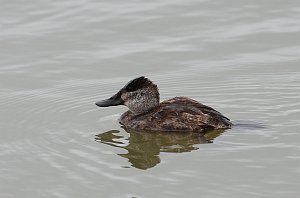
(145, 113)
(144, 148)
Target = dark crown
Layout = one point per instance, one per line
(136, 84)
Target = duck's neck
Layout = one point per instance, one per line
(142, 108)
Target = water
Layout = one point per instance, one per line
(58, 57)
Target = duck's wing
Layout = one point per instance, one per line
(211, 111)
(190, 114)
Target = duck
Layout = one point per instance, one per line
(147, 113)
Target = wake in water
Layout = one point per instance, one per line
(248, 124)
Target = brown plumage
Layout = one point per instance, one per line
(145, 113)
(176, 114)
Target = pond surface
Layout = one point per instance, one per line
(59, 57)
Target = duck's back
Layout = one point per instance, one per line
(177, 114)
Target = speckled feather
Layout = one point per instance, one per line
(145, 113)
(140, 95)
(176, 114)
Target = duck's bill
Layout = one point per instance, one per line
(113, 101)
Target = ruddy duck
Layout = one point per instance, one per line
(145, 113)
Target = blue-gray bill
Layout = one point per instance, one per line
(112, 101)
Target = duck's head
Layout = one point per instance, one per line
(139, 95)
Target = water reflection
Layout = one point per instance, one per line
(144, 148)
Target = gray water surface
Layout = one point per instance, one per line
(58, 57)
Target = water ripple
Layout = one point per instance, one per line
(58, 57)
